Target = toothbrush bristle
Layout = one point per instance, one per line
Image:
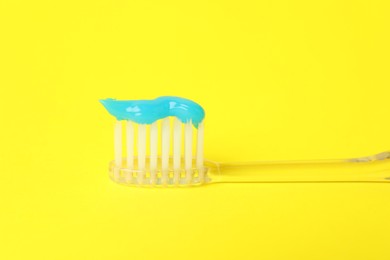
(188, 151)
(177, 129)
(129, 145)
(143, 165)
(153, 151)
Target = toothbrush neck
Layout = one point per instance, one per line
(349, 170)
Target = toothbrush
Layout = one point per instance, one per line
(164, 142)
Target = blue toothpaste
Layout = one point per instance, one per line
(149, 111)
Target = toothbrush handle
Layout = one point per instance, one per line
(374, 168)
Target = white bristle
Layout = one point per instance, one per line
(130, 144)
(118, 143)
(129, 148)
(118, 146)
(153, 151)
(165, 139)
(176, 150)
(141, 151)
(199, 151)
(188, 150)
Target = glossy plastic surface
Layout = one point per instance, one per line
(374, 168)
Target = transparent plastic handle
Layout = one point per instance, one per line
(374, 168)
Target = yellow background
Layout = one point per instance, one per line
(278, 80)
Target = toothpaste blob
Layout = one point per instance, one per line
(149, 111)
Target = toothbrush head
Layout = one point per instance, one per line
(163, 141)
(159, 178)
